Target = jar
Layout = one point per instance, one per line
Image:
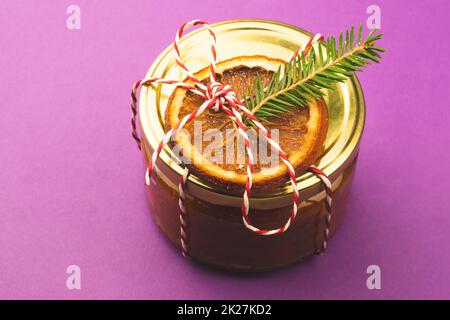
(217, 234)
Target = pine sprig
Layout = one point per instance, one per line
(303, 79)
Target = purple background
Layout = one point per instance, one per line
(71, 188)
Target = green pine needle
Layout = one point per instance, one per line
(303, 79)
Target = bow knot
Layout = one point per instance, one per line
(217, 94)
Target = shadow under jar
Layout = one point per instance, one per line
(217, 235)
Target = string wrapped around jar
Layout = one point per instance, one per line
(221, 98)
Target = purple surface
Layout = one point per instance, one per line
(71, 181)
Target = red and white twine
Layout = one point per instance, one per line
(328, 208)
(219, 97)
(184, 236)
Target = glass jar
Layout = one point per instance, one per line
(217, 235)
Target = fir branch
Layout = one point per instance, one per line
(303, 79)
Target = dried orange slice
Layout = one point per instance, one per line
(301, 131)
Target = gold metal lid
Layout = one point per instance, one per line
(250, 37)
